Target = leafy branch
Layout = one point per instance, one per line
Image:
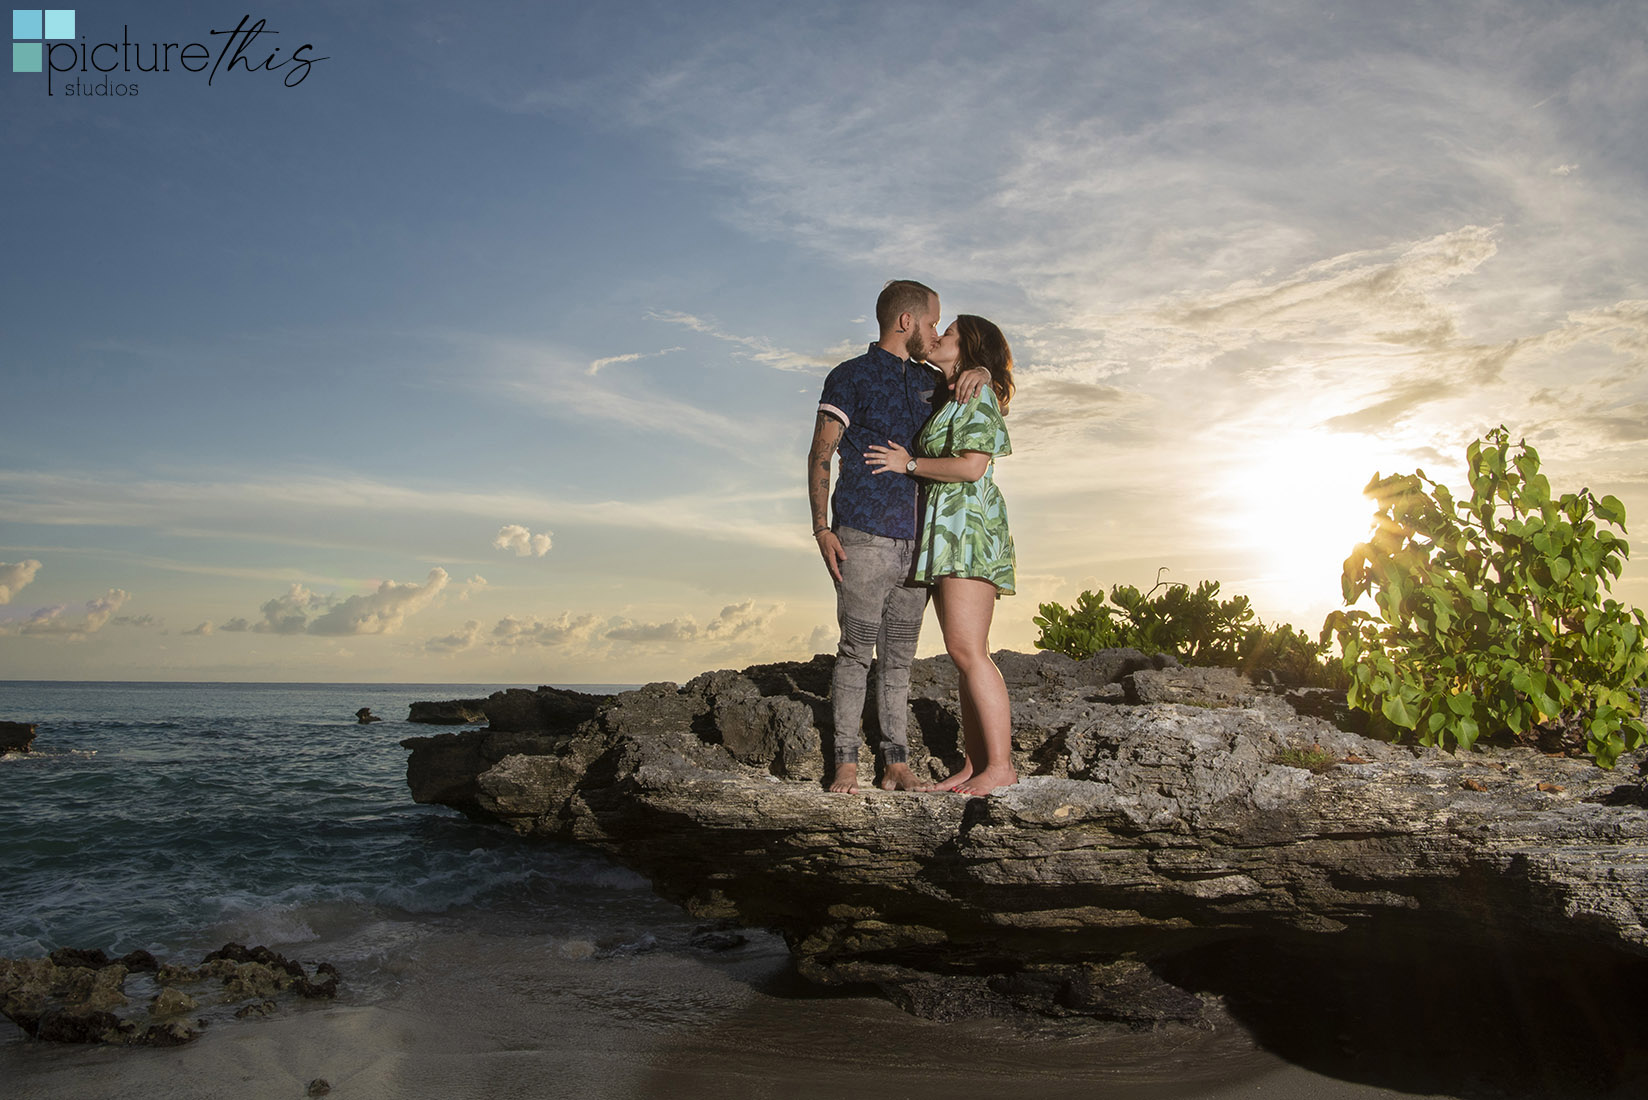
(1490, 612)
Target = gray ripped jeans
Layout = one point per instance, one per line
(878, 611)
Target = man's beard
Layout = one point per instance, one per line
(917, 345)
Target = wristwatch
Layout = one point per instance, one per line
(910, 466)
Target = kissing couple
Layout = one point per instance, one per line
(918, 423)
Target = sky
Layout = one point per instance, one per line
(486, 348)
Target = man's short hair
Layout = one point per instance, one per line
(902, 296)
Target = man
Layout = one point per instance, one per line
(884, 395)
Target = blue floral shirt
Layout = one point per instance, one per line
(878, 397)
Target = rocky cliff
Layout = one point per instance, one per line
(1163, 812)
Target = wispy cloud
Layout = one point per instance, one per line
(563, 388)
(275, 507)
(597, 365)
(758, 348)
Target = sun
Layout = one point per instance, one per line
(1295, 510)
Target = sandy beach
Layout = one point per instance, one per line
(492, 1008)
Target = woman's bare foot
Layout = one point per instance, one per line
(899, 777)
(846, 778)
(953, 781)
(989, 781)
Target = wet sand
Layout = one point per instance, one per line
(489, 1008)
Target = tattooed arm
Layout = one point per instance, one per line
(827, 432)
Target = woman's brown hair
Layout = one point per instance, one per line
(983, 345)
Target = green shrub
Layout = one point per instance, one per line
(1490, 613)
(1192, 624)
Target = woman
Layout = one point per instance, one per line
(966, 553)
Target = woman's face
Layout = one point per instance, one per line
(947, 352)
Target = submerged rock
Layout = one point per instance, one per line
(172, 1002)
(1156, 818)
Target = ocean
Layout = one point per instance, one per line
(168, 816)
(177, 817)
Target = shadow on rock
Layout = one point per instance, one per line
(1438, 1016)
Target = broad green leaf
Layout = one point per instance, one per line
(1397, 711)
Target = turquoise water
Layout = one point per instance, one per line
(164, 816)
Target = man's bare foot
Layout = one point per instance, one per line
(953, 781)
(989, 781)
(899, 777)
(846, 778)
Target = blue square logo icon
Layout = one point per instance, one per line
(31, 28)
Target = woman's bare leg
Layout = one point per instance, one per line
(969, 721)
(965, 608)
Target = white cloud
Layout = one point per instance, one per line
(456, 642)
(676, 630)
(383, 611)
(742, 627)
(50, 621)
(471, 586)
(204, 630)
(522, 541)
(567, 629)
(145, 621)
(736, 621)
(742, 619)
(14, 575)
(289, 613)
(236, 625)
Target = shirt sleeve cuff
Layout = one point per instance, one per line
(846, 421)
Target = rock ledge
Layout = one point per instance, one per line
(1155, 818)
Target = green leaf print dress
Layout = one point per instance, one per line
(964, 530)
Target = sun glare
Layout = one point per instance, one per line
(1297, 508)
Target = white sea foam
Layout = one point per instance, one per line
(271, 927)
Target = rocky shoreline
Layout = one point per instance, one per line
(83, 996)
(1162, 828)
